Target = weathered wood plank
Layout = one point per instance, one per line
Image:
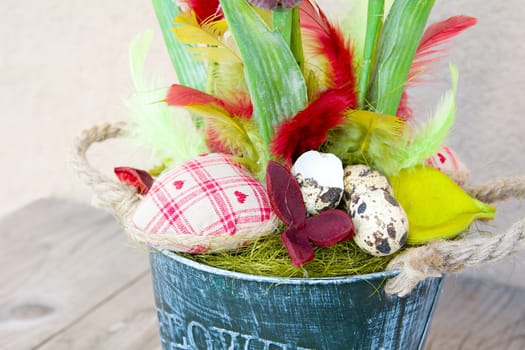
(478, 315)
(125, 321)
(58, 260)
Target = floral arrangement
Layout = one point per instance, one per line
(290, 137)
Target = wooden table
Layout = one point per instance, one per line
(71, 280)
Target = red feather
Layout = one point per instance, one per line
(309, 128)
(404, 111)
(428, 52)
(180, 95)
(205, 9)
(437, 34)
(332, 44)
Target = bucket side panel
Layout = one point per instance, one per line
(201, 310)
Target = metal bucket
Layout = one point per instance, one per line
(204, 308)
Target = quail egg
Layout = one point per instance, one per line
(320, 177)
(380, 223)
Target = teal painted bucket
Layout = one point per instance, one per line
(204, 308)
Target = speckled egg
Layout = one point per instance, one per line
(320, 177)
(380, 223)
(361, 179)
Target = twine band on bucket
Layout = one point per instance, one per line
(415, 264)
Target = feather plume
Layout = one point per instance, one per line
(308, 129)
(368, 138)
(330, 43)
(228, 131)
(404, 111)
(435, 35)
(205, 9)
(207, 38)
(428, 53)
(170, 134)
(426, 140)
(238, 105)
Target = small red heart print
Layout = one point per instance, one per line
(178, 184)
(241, 197)
(442, 158)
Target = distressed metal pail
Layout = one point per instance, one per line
(201, 307)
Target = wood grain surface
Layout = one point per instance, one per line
(72, 280)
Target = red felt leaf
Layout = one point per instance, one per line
(332, 44)
(205, 9)
(309, 128)
(296, 242)
(285, 195)
(329, 227)
(137, 178)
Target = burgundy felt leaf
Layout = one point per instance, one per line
(329, 227)
(285, 194)
(298, 246)
(286, 199)
(137, 178)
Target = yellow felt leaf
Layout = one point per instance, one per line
(435, 205)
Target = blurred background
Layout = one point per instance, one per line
(64, 67)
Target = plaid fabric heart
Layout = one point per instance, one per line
(207, 196)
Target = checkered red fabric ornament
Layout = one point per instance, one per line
(209, 196)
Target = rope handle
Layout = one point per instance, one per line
(119, 198)
(445, 256)
(414, 265)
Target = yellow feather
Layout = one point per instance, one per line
(238, 135)
(368, 138)
(208, 38)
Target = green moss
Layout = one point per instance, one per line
(268, 257)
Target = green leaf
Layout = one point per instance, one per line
(276, 84)
(189, 72)
(435, 205)
(397, 46)
(375, 14)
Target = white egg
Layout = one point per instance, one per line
(380, 223)
(320, 177)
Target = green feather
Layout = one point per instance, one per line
(426, 140)
(168, 132)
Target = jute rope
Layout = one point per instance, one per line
(119, 198)
(441, 256)
(414, 265)
(122, 200)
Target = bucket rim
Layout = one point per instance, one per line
(275, 280)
